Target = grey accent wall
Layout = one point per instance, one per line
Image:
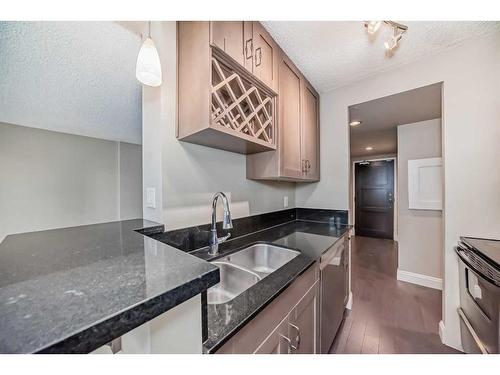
(54, 180)
(186, 176)
(421, 232)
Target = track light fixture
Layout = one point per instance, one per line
(397, 32)
(372, 26)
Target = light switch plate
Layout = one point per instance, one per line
(150, 197)
(285, 201)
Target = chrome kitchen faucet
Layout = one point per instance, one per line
(214, 241)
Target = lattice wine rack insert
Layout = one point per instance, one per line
(239, 105)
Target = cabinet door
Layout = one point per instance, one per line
(289, 119)
(266, 55)
(310, 133)
(229, 36)
(276, 342)
(303, 324)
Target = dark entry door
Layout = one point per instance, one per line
(374, 199)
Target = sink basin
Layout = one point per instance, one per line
(233, 281)
(241, 270)
(261, 258)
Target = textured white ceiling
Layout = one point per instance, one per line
(381, 117)
(335, 53)
(72, 77)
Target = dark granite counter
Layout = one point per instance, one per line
(72, 290)
(312, 239)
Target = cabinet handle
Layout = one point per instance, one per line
(258, 52)
(307, 165)
(298, 335)
(289, 342)
(248, 43)
(303, 166)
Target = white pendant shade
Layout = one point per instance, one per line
(148, 69)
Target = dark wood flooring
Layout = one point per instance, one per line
(387, 316)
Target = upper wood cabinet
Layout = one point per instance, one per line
(266, 54)
(238, 91)
(297, 155)
(234, 38)
(290, 119)
(220, 103)
(310, 132)
(228, 36)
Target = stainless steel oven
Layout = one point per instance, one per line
(479, 310)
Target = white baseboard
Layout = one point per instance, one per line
(349, 302)
(442, 336)
(441, 331)
(419, 279)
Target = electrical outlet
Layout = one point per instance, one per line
(285, 201)
(150, 197)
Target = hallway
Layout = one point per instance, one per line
(387, 316)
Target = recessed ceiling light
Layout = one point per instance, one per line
(369, 148)
(355, 123)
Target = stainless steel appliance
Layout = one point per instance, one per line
(479, 310)
(334, 276)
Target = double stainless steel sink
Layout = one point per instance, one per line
(241, 270)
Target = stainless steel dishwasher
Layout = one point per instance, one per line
(334, 276)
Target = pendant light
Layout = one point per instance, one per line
(148, 69)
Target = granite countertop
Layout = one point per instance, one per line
(312, 239)
(72, 290)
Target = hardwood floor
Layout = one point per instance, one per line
(387, 316)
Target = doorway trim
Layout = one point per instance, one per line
(396, 192)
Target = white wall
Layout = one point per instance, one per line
(54, 180)
(75, 77)
(420, 231)
(186, 175)
(471, 132)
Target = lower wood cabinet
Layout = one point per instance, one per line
(303, 323)
(289, 325)
(275, 343)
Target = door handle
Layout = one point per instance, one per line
(258, 52)
(297, 338)
(390, 199)
(249, 47)
(289, 342)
